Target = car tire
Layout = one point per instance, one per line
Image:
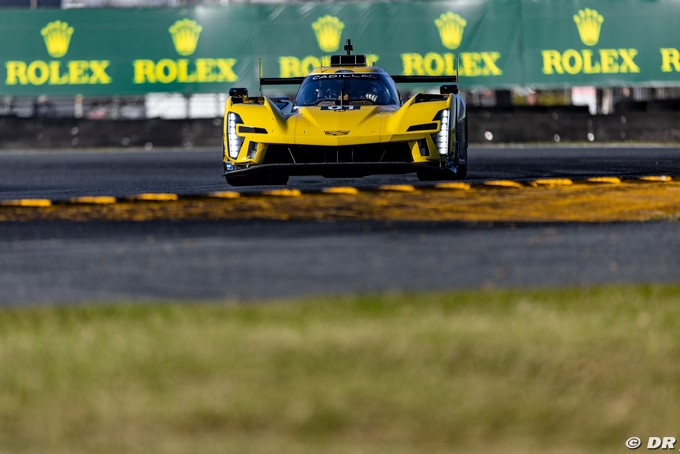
(461, 171)
(258, 180)
(461, 152)
(440, 175)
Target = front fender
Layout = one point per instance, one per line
(417, 114)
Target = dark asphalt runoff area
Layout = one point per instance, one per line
(66, 262)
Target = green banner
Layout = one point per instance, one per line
(602, 43)
(404, 38)
(125, 51)
(490, 43)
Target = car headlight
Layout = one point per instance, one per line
(234, 140)
(441, 139)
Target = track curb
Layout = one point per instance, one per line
(506, 184)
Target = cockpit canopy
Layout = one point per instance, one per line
(347, 88)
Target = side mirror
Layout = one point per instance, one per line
(238, 92)
(448, 89)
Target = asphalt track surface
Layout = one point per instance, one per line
(64, 262)
(55, 175)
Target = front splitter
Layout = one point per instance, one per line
(345, 170)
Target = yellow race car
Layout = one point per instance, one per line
(347, 120)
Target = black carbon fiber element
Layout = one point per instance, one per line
(423, 127)
(304, 154)
(345, 169)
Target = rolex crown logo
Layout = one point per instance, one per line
(57, 36)
(589, 22)
(185, 35)
(328, 30)
(451, 28)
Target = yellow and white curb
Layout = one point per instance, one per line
(339, 190)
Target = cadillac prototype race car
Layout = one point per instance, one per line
(347, 120)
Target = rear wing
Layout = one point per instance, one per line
(425, 79)
(397, 79)
(450, 83)
(281, 80)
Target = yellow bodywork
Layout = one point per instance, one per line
(264, 122)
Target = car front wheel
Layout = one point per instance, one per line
(257, 180)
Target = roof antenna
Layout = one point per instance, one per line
(348, 47)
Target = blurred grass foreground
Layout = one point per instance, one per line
(533, 371)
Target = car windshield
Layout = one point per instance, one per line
(347, 88)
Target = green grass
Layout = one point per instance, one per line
(519, 371)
